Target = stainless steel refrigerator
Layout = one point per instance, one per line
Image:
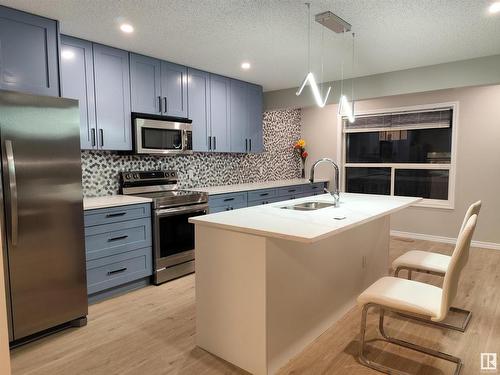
(42, 213)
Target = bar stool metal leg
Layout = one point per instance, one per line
(406, 344)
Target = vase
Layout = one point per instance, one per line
(303, 171)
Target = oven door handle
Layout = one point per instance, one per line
(181, 210)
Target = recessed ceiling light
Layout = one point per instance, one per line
(127, 28)
(67, 54)
(245, 65)
(495, 7)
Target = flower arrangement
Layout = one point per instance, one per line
(300, 148)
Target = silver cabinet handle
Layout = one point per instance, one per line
(209, 142)
(92, 136)
(13, 192)
(250, 145)
(215, 144)
(164, 104)
(101, 135)
(159, 105)
(246, 144)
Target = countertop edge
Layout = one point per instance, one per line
(95, 203)
(303, 239)
(238, 188)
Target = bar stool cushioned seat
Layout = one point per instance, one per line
(401, 294)
(423, 260)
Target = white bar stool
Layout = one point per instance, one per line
(435, 264)
(416, 301)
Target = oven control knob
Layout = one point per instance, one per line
(136, 176)
(172, 174)
(127, 176)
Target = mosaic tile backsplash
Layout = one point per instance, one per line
(278, 161)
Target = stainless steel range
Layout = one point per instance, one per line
(173, 235)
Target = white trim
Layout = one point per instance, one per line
(449, 240)
(427, 203)
(398, 128)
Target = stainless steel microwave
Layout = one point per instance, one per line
(165, 137)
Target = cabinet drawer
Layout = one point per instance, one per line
(264, 201)
(227, 207)
(116, 238)
(117, 214)
(317, 187)
(259, 195)
(233, 199)
(119, 269)
(290, 190)
(294, 196)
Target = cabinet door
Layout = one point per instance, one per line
(174, 89)
(254, 111)
(219, 113)
(77, 82)
(238, 116)
(145, 84)
(28, 53)
(199, 107)
(112, 95)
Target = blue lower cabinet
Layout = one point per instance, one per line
(118, 245)
(108, 272)
(261, 202)
(227, 202)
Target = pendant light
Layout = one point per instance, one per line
(346, 108)
(309, 78)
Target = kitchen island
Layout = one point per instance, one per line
(270, 279)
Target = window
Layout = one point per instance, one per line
(408, 152)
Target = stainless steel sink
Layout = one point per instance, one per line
(309, 206)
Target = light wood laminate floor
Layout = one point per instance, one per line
(152, 331)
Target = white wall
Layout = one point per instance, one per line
(4, 334)
(456, 74)
(478, 157)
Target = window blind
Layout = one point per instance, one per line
(428, 119)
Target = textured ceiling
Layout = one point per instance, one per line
(217, 35)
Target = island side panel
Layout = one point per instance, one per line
(311, 286)
(230, 296)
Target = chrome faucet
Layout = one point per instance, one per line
(336, 193)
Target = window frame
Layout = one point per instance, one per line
(451, 167)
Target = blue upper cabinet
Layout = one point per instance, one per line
(219, 114)
(28, 53)
(239, 116)
(145, 84)
(255, 121)
(77, 82)
(112, 96)
(246, 117)
(199, 107)
(174, 89)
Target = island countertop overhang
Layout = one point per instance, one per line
(306, 226)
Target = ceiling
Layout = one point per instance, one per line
(217, 35)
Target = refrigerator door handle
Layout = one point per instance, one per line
(13, 191)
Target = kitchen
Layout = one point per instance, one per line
(120, 157)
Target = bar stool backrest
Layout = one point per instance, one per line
(472, 210)
(457, 263)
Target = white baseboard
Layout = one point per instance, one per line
(450, 240)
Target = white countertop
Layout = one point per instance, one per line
(306, 226)
(112, 201)
(223, 189)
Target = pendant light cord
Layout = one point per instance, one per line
(308, 36)
(352, 69)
